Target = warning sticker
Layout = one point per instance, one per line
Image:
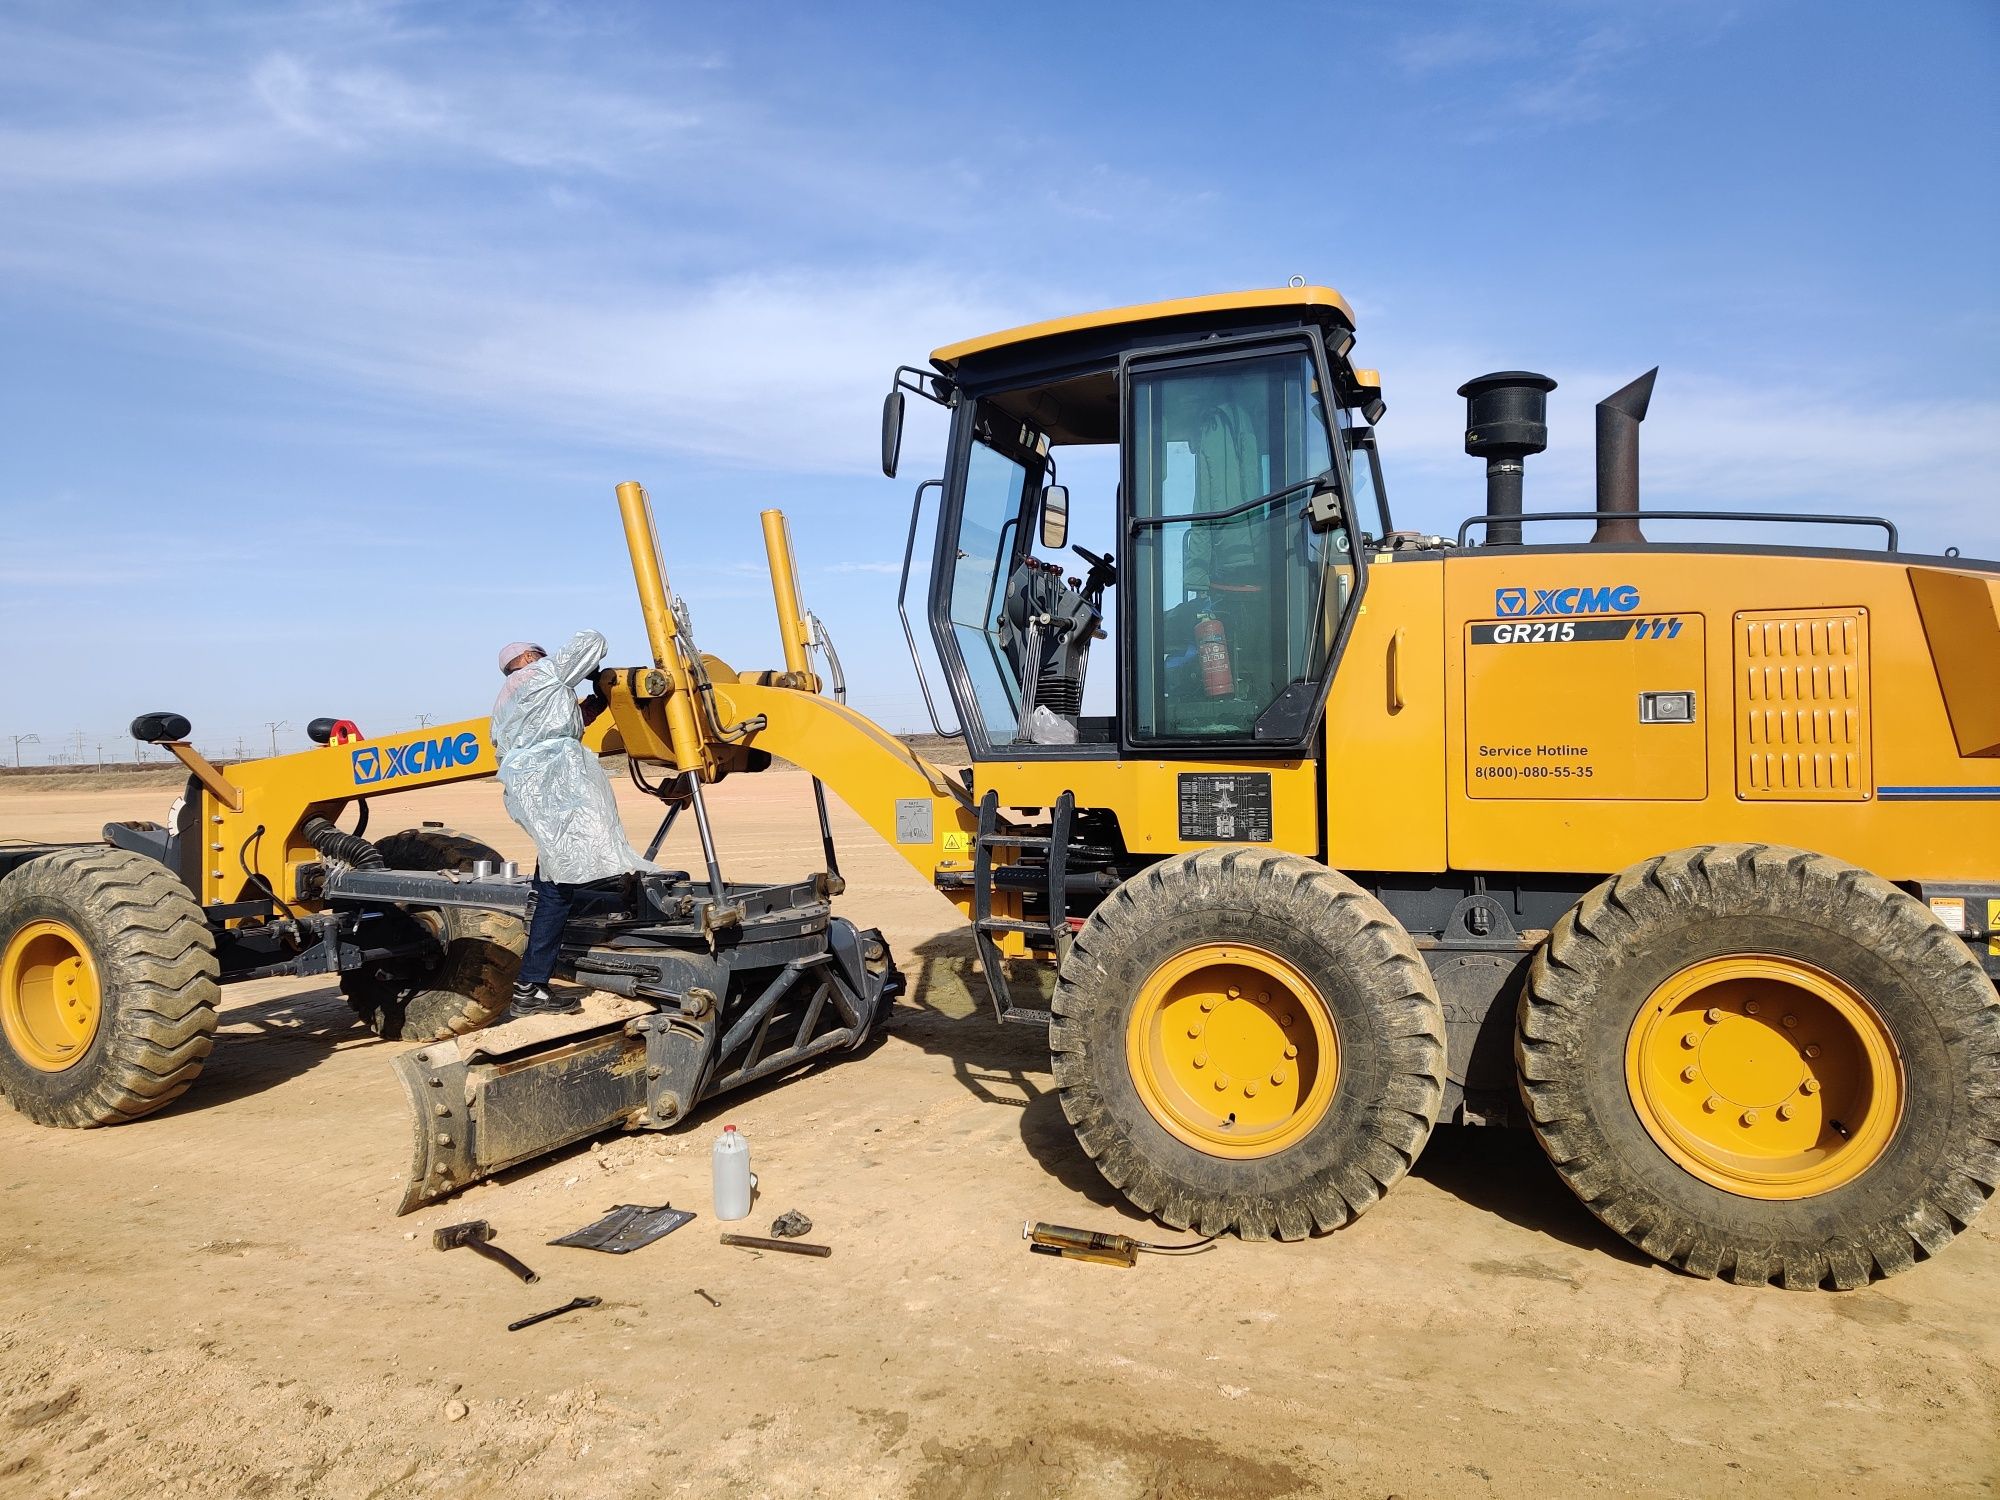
(957, 841)
(1226, 807)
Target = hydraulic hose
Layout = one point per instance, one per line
(350, 848)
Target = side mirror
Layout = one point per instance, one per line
(1055, 516)
(892, 431)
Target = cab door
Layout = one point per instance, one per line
(1240, 573)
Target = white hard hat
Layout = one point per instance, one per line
(516, 648)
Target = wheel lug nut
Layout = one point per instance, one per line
(1712, 1103)
(1263, 997)
(1812, 1051)
(1690, 1073)
(1221, 1081)
(1810, 1086)
(1208, 1002)
(1201, 1059)
(1196, 1029)
(1250, 1089)
(1234, 992)
(1751, 1008)
(1749, 1117)
(1291, 1051)
(1278, 1078)
(1714, 1015)
(1791, 1021)
(1286, 1019)
(1692, 1039)
(1784, 1111)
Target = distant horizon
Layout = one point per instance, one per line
(331, 329)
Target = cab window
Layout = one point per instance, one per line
(1235, 597)
(988, 542)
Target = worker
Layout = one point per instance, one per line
(558, 792)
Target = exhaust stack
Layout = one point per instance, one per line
(1506, 419)
(1618, 417)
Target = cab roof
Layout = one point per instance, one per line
(1320, 303)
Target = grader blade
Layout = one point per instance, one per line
(789, 985)
(482, 1103)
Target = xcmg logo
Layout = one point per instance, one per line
(386, 762)
(1610, 599)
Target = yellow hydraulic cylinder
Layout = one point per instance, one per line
(644, 545)
(792, 629)
(643, 542)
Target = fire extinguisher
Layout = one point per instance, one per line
(1211, 644)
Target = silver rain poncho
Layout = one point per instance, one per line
(555, 788)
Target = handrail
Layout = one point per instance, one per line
(1887, 525)
(902, 590)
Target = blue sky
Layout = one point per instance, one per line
(326, 330)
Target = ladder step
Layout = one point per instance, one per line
(1028, 1016)
(1005, 924)
(1015, 840)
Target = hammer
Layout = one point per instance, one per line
(474, 1236)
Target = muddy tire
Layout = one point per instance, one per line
(1246, 1040)
(1764, 1064)
(108, 987)
(464, 987)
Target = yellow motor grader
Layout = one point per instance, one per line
(1682, 854)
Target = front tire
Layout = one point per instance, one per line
(1765, 1064)
(468, 984)
(1246, 1040)
(108, 987)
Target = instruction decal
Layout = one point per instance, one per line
(913, 820)
(1226, 807)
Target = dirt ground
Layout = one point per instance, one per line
(218, 1301)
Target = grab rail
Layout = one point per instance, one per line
(902, 589)
(1687, 515)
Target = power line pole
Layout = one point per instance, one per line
(19, 741)
(424, 721)
(274, 725)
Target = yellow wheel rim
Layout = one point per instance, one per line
(1232, 1050)
(1765, 1077)
(50, 999)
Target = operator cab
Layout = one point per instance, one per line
(1185, 481)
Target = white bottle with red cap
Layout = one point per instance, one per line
(734, 1180)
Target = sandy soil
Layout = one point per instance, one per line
(217, 1301)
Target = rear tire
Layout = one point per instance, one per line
(466, 986)
(1764, 1064)
(1316, 1068)
(108, 987)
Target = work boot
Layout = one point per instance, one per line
(535, 1000)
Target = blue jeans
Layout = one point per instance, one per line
(548, 913)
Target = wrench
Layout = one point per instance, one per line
(572, 1305)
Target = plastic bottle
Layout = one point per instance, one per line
(734, 1180)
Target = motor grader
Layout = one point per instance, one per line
(1681, 854)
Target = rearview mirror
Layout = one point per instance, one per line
(1055, 516)
(892, 431)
